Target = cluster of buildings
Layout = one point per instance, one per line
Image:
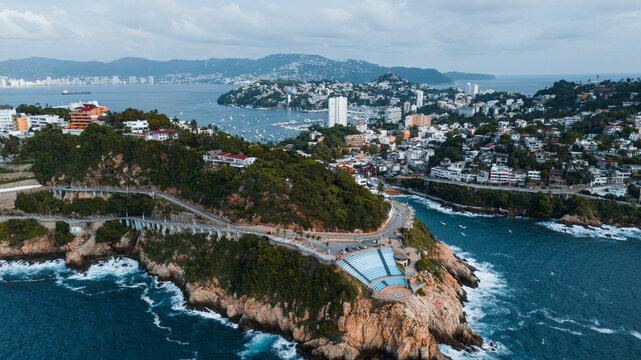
(503, 150)
(81, 114)
(75, 81)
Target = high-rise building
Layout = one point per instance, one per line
(337, 108)
(132, 79)
(419, 98)
(393, 115)
(472, 89)
(84, 115)
(150, 80)
(6, 118)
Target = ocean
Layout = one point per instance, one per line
(546, 292)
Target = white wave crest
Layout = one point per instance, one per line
(431, 204)
(113, 267)
(483, 301)
(285, 349)
(604, 232)
(22, 269)
(261, 343)
(178, 303)
(602, 330)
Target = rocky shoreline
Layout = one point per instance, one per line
(568, 220)
(371, 328)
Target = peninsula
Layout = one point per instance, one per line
(267, 237)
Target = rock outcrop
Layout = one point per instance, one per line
(570, 220)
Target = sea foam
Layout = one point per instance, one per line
(604, 232)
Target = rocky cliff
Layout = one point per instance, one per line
(409, 329)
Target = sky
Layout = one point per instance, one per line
(486, 36)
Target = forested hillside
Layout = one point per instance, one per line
(280, 188)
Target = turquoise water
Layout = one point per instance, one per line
(546, 292)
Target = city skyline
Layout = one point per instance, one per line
(543, 37)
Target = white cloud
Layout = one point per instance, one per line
(469, 35)
(23, 25)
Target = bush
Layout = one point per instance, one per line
(111, 231)
(117, 204)
(419, 237)
(62, 236)
(16, 231)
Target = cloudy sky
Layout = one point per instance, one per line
(491, 36)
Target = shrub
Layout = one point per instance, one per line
(62, 236)
(111, 231)
(16, 231)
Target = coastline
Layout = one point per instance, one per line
(567, 220)
(402, 330)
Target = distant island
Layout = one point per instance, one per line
(46, 71)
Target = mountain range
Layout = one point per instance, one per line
(283, 66)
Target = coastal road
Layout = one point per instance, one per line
(565, 191)
(400, 215)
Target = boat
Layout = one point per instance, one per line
(444, 224)
(462, 227)
(67, 92)
(510, 230)
(462, 233)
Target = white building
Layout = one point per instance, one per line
(361, 126)
(6, 118)
(137, 127)
(472, 89)
(500, 174)
(393, 115)
(217, 156)
(337, 107)
(37, 122)
(419, 98)
(159, 135)
(534, 175)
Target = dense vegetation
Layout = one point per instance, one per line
(420, 238)
(112, 231)
(331, 145)
(16, 231)
(279, 188)
(117, 204)
(62, 236)
(39, 110)
(252, 267)
(154, 119)
(537, 205)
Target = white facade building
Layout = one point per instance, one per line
(393, 115)
(337, 107)
(419, 98)
(37, 122)
(500, 174)
(137, 127)
(472, 89)
(6, 118)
